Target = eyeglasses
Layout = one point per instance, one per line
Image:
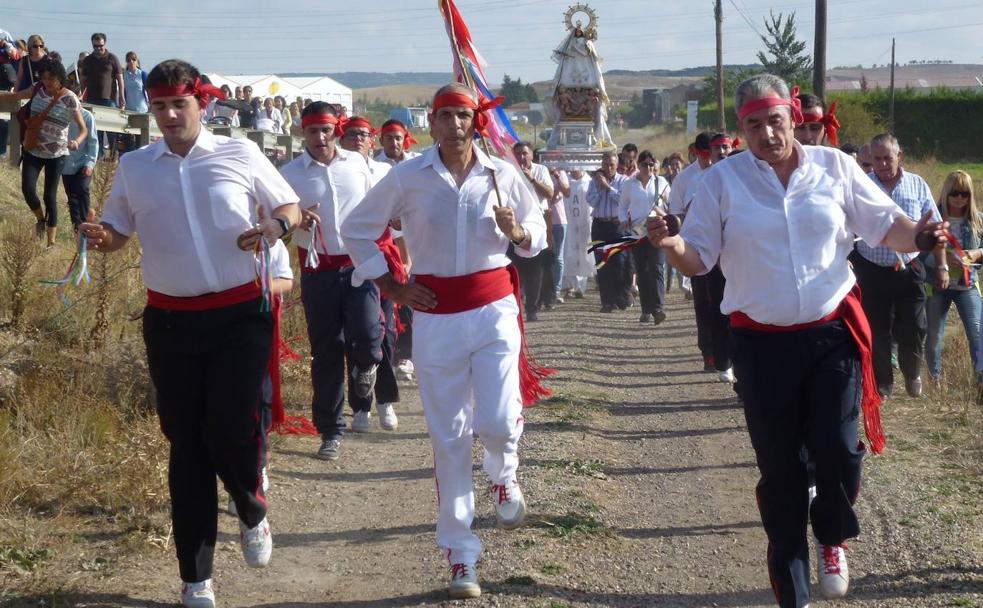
(960, 193)
(358, 134)
(649, 165)
(98, 46)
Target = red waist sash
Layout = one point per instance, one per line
(324, 262)
(852, 315)
(467, 292)
(209, 301)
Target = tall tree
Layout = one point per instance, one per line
(786, 59)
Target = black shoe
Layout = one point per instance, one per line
(644, 317)
(364, 380)
(658, 317)
(532, 315)
(884, 392)
(709, 365)
(607, 308)
(578, 295)
(913, 386)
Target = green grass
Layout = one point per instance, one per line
(552, 569)
(571, 523)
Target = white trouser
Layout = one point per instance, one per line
(468, 376)
(575, 282)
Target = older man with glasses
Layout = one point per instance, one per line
(101, 73)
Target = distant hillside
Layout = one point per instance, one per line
(698, 72)
(366, 80)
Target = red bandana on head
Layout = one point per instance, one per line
(767, 102)
(324, 118)
(725, 140)
(460, 100)
(355, 123)
(200, 91)
(828, 120)
(407, 136)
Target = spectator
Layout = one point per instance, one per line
(75, 74)
(604, 196)
(28, 73)
(135, 93)
(630, 153)
(59, 107)
(286, 119)
(295, 118)
(76, 177)
(269, 118)
(10, 55)
(674, 164)
(537, 179)
(225, 112)
(641, 196)
(101, 72)
(956, 280)
(247, 113)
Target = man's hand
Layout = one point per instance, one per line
(309, 216)
(602, 181)
(505, 218)
(86, 171)
(413, 295)
(663, 230)
(528, 173)
(265, 227)
(95, 234)
(73, 145)
(942, 278)
(930, 235)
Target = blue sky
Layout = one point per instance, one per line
(515, 36)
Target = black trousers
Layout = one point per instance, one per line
(77, 188)
(650, 266)
(712, 326)
(342, 322)
(404, 342)
(814, 402)
(614, 278)
(30, 172)
(547, 293)
(894, 302)
(207, 368)
(530, 278)
(386, 387)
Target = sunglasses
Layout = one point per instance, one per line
(98, 46)
(37, 46)
(649, 165)
(357, 134)
(960, 193)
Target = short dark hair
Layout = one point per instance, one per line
(609, 154)
(702, 141)
(393, 121)
(55, 68)
(319, 107)
(811, 101)
(172, 72)
(521, 144)
(644, 156)
(629, 148)
(98, 36)
(850, 148)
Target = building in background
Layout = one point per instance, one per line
(315, 88)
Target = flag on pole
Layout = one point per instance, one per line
(469, 69)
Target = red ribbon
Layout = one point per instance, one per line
(407, 136)
(200, 91)
(339, 122)
(960, 254)
(460, 100)
(828, 120)
(769, 102)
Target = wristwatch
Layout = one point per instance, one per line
(942, 268)
(284, 224)
(519, 242)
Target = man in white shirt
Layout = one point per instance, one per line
(201, 205)
(357, 136)
(460, 209)
(342, 317)
(793, 211)
(643, 193)
(396, 142)
(536, 271)
(604, 197)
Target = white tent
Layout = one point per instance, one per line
(316, 88)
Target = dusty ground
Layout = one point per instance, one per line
(639, 477)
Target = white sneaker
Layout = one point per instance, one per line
(510, 507)
(257, 543)
(360, 422)
(727, 375)
(834, 575)
(198, 595)
(812, 493)
(464, 582)
(405, 370)
(266, 480)
(387, 417)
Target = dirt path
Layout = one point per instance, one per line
(639, 477)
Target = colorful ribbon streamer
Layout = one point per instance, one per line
(78, 271)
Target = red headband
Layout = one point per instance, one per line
(725, 140)
(460, 100)
(828, 120)
(322, 118)
(407, 136)
(768, 102)
(201, 92)
(358, 121)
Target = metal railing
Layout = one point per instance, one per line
(145, 128)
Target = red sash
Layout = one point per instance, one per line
(467, 292)
(852, 314)
(324, 262)
(282, 423)
(209, 301)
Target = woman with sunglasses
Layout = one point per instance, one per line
(28, 72)
(956, 281)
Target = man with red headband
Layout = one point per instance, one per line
(818, 125)
(460, 209)
(342, 316)
(780, 220)
(357, 137)
(396, 142)
(202, 205)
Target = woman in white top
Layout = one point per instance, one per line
(643, 193)
(269, 118)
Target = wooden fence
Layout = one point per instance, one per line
(145, 128)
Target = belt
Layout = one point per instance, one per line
(607, 219)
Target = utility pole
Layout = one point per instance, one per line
(718, 15)
(890, 109)
(819, 56)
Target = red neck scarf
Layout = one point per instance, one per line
(828, 120)
(460, 100)
(407, 136)
(200, 91)
(767, 102)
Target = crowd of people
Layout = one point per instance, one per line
(426, 264)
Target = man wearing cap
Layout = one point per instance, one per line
(793, 210)
(342, 317)
(460, 209)
(202, 205)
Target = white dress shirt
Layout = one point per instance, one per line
(682, 188)
(377, 169)
(542, 175)
(338, 187)
(190, 211)
(380, 156)
(638, 202)
(280, 261)
(449, 231)
(784, 251)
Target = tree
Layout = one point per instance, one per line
(787, 60)
(732, 78)
(514, 91)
